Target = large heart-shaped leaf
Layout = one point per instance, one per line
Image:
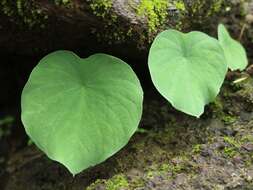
(187, 69)
(234, 51)
(81, 111)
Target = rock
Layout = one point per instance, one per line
(237, 160)
(248, 147)
(206, 152)
(180, 179)
(249, 176)
(199, 158)
(228, 132)
(39, 27)
(246, 116)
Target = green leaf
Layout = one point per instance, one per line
(234, 52)
(187, 69)
(81, 111)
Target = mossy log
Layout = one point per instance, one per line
(121, 27)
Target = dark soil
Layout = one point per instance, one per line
(171, 151)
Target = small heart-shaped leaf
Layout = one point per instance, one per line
(81, 111)
(234, 52)
(187, 69)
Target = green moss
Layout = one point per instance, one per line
(179, 164)
(180, 5)
(233, 146)
(158, 16)
(197, 148)
(175, 169)
(247, 138)
(63, 2)
(117, 182)
(199, 6)
(24, 12)
(150, 174)
(228, 119)
(230, 151)
(137, 183)
(8, 120)
(112, 32)
(155, 11)
(218, 111)
(217, 5)
(232, 141)
(101, 8)
(94, 185)
(215, 108)
(5, 126)
(200, 15)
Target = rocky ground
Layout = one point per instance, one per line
(171, 151)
